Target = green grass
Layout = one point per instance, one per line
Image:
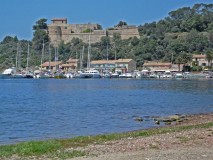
(57, 148)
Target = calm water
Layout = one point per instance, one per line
(41, 109)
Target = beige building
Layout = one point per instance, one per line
(59, 30)
(200, 59)
(71, 64)
(125, 65)
(161, 67)
(51, 65)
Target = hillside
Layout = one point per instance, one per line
(185, 31)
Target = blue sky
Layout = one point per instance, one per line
(18, 16)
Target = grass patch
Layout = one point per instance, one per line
(30, 148)
(57, 147)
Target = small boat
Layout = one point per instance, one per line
(40, 75)
(167, 74)
(179, 75)
(69, 75)
(153, 75)
(115, 75)
(126, 75)
(28, 75)
(144, 74)
(107, 75)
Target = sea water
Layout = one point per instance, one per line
(48, 108)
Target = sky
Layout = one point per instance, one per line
(18, 16)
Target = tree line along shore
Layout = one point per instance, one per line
(185, 31)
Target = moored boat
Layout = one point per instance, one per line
(179, 76)
(90, 74)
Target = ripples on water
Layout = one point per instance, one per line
(40, 109)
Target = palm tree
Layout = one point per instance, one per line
(209, 57)
(179, 60)
(183, 58)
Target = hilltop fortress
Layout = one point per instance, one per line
(59, 30)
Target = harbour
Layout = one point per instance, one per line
(48, 108)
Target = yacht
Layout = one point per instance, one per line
(8, 73)
(90, 74)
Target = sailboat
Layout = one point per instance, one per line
(39, 73)
(18, 64)
(27, 73)
(90, 73)
(107, 74)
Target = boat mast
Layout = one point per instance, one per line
(115, 54)
(28, 54)
(81, 58)
(42, 55)
(88, 56)
(49, 56)
(76, 62)
(17, 57)
(107, 51)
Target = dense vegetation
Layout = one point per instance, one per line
(175, 38)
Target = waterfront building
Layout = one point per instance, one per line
(71, 65)
(51, 65)
(200, 60)
(162, 67)
(124, 65)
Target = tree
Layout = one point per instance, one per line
(183, 58)
(209, 57)
(121, 23)
(40, 24)
(40, 34)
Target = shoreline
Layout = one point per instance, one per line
(195, 131)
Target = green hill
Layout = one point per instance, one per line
(188, 30)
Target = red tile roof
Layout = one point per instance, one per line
(153, 64)
(72, 60)
(52, 64)
(199, 56)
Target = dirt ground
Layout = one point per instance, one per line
(194, 144)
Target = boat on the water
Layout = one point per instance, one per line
(126, 75)
(115, 75)
(179, 76)
(8, 73)
(153, 75)
(90, 74)
(167, 74)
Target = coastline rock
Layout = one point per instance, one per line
(138, 119)
(170, 119)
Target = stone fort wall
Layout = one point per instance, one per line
(59, 31)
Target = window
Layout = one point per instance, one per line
(65, 27)
(203, 64)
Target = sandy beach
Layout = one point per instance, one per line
(190, 138)
(194, 144)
